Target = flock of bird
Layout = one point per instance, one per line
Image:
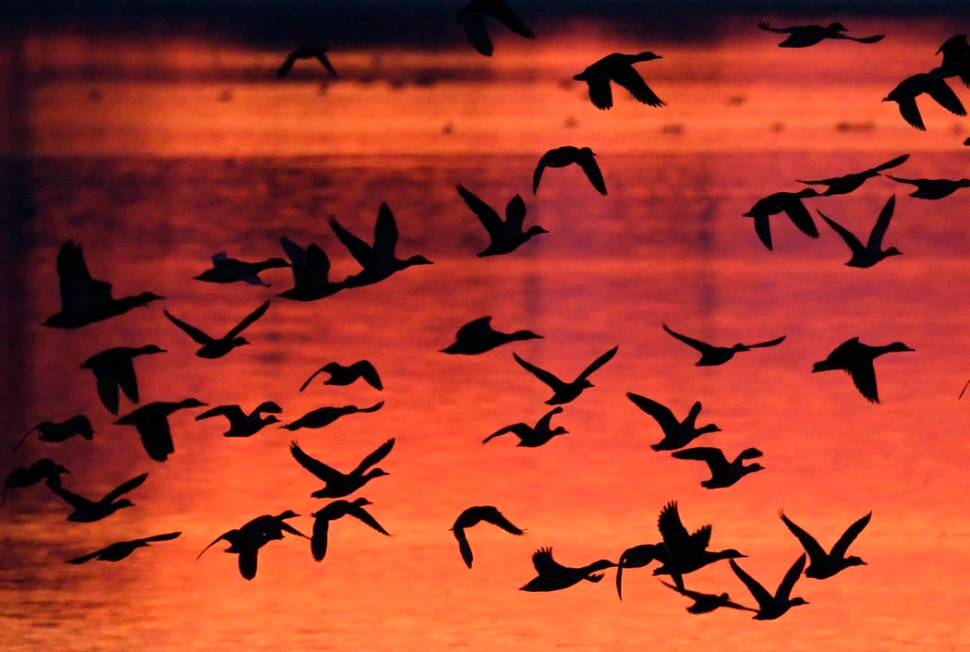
(678, 552)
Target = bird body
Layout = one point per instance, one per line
(240, 423)
(217, 347)
(114, 370)
(230, 270)
(88, 511)
(932, 84)
(856, 359)
(27, 476)
(478, 336)
(55, 432)
(553, 576)
(871, 253)
(712, 355)
(956, 58)
(532, 436)
(333, 511)
(933, 188)
(685, 552)
(472, 517)
(347, 375)
(122, 549)
(379, 261)
(151, 422)
(311, 272)
(826, 564)
(561, 157)
(340, 484)
(677, 434)
(324, 416)
(618, 68)
(774, 606)
(723, 473)
(803, 36)
(706, 602)
(246, 540)
(789, 203)
(564, 392)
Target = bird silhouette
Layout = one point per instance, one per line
(472, 517)
(532, 436)
(230, 270)
(240, 423)
(956, 58)
(378, 261)
(706, 602)
(324, 416)
(505, 235)
(217, 347)
(333, 511)
(347, 375)
(553, 576)
(685, 552)
(803, 36)
(472, 19)
(151, 422)
(55, 432)
(84, 299)
(638, 557)
(849, 182)
(933, 188)
(311, 272)
(340, 484)
(27, 476)
(723, 473)
(823, 564)
(561, 157)
(773, 606)
(246, 540)
(114, 369)
(789, 203)
(564, 392)
(677, 434)
(856, 359)
(478, 336)
(306, 52)
(712, 355)
(932, 84)
(88, 511)
(122, 549)
(618, 68)
(867, 255)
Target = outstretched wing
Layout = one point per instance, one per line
(495, 517)
(842, 545)
(713, 457)
(231, 412)
(882, 224)
(896, 162)
(844, 233)
(910, 112)
(940, 91)
(767, 343)
(544, 563)
(124, 488)
(631, 80)
(463, 546)
(474, 28)
(763, 25)
(368, 372)
(593, 173)
(504, 14)
(660, 413)
(79, 292)
(540, 167)
(703, 347)
(385, 233)
(287, 65)
(864, 378)
(801, 218)
(597, 363)
(316, 467)
(168, 536)
(600, 93)
(360, 250)
(788, 583)
(366, 518)
(485, 213)
(672, 529)
(107, 385)
(759, 592)
(248, 320)
(324, 60)
(199, 336)
(88, 557)
(548, 378)
(475, 329)
(379, 453)
(809, 543)
(74, 500)
(307, 382)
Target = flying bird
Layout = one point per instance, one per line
(88, 511)
(472, 19)
(311, 273)
(712, 355)
(933, 188)
(849, 182)
(151, 422)
(561, 157)
(564, 392)
(618, 68)
(217, 347)
(706, 602)
(532, 436)
(803, 36)
(789, 203)
(723, 473)
(324, 416)
(340, 484)
(677, 434)
(333, 511)
(122, 549)
(638, 557)
(553, 576)
(856, 359)
(306, 52)
(932, 84)
(472, 517)
(823, 564)
(27, 476)
(773, 606)
(956, 58)
(240, 423)
(347, 375)
(478, 336)
(55, 432)
(685, 552)
(867, 255)
(246, 540)
(114, 370)
(230, 270)
(505, 235)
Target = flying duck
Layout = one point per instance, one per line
(789, 203)
(217, 347)
(240, 423)
(56, 432)
(564, 392)
(956, 58)
(249, 538)
(230, 270)
(151, 422)
(333, 511)
(706, 602)
(86, 510)
(340, 484)
(677, 434)
(867, 255)
(618, 68)
(529, 436)
(472, 517)
(561, 157)
(684, 552)
(306, 52)
(478, 336)
(712, 355)
(773, 606)
(27, 476)
(311, 273)
(505, 235)
(553, 576)
(723, 473)
(856, 359)
(803, 36)
(347, 375)
(933, 188)
(114, 369)
(122, 549)
(823, 564)
(324, 416)
(849, 182)
(932, 84)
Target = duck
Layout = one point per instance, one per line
(340, 484)
(933, 188)
(85, 300)
(618, 68)
(712, 355)
(472, 19)
(311, 273)
(240, 423)
(706, 602)
(532, 436)
(849, 182)
(123, 549)
(931, 83)
(723, 473)
(306, 52)
(686, 552)
(564, 392)
(774, 606)
(333, 511)
(677, 434)
(55, 432)
(856, 359)
(789, 203)
(151, 422)
(230, 270)
(114, 370)
(505, 235)
(88, 511)
(478, 336)
(956, 58)
(871, 253)
(553, 576)
(27, 476)
(324, 416)
(342, 375)
(246, 540)
(561, 157)
(217, 347)
(823, 565)
(803, 36)
(472, 517)
(378, 261)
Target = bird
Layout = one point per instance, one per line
(56, 432)
(932, 84)
(723, 473)
(340, 484)
(378, 261)
(677, 434)
(306, 52)
(711, 355)
(88, 511)
(933, 188)
(217, 347)
(803, 36)
(823, 565)
(706, 602)
(324, 416)
(27, 476)
(114, 369)
(472, 19)
(84, 299)
(956, 58)
(311, 272)
(532, 436)
(347, 375)
(472, 517)
(333, 511)
(553, 576)
(618, 68)
(564, 392)
(561, 157)
(638, 557)
(240, 423)
(685, 552)
(230, 270)
(773, 606)
(867, 255)
(151, 422)
(789, 203)
(505, 235)
(122, 549)
(856, 359)
(849, 182)
(478, 336)
(246, 540)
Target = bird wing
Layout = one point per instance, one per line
(546, 377)
(498, 519)
(597, 363)
(672, 529)
(600, 93)
(379, 453)
(248, 320)
(507, 429)
(107, 384)
(809, 543)
(320, 538)
(74, 500)
(713, 457)
(940, 91)
(788, 582)
(463, 546)
(287, 65)
(701, 538)
(485, 213)
(703, 347)
(864, 377)
(515, 211)
(79, 292)
(912, 182)
(385, 233)
(631, 80)
(844, 233)
(504, 14)
(368, 372)
(199, 336)
(801, 218)
(88, 557)
(537, 174)
(298, 260)
(762, 227)
(842, 545)
(766, 343)
(215, 541)
(307, 382)
(546, 420)
(324, 60)
(248, 559)
(777, 30)
(124, 488)
(695, 595)
(896, 162)
(360, 250)
(475, 329)
(474, 28)
(882, 224)
(128, 382)
(168, 536)
(366, 518)
(660, 413)
(910, 112)
(759, 592)
(231, 412)
(544, 563)
(156, 437)
(316, 467)
(593, 173)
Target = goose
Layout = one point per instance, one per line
(856, 359)
(217, 347)
(618, 68)
(478, 336)
(505, 235)
(677, 434)
(87, 510)
(553, 576)
(472, 517)
(114, 370)
(340, 484)
(823, 565)
(564, 392)
(723, 473)
(870, 253)
(774, 606)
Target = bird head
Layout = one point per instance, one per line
(730, 553)
(893, 251)
(124, 502)
(147, 297)
(559, 430)
(711, 427)
(239, 341)
(898, 346)
(648, 56)
(855, 561)
(586, 384)
(417, 260)
(838, 27)
(151, 348)
(332, 367)
(796, 602)
(270, 419)
(535, 230)
(287, 514)
(751, 468)
(361, 502)
(587, 151)
(192, 402)
(376, 473)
